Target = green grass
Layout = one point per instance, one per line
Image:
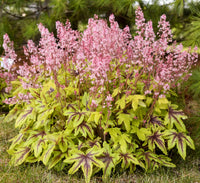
(187, 171)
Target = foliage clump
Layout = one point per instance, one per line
(99, 99)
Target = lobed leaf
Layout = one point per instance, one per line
(85, 161)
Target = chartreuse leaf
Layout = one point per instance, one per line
(175, 117)
(136, 100)
(95, 142)
(35, 92)
(163, 103)
(42, 118)
(155, 121)
(156, 138)
(142, 133)
(114, 133)
(149, 101)
(31, 159)
(48, 88)
(78, 120)
(85, 99)
(85, 161)
(126, 118)
(180, 139)
(116, 91)
(123, 140)
(63, 144)
(97, 117)
(121, 102)
(70, 90)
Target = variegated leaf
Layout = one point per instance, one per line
(128, 159)
(156, 138)
(47, 153)
(57, 156)
(23, 117)
(85, 161)
(38, 147)
(21, 155)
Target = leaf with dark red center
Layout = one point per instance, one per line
(175, 117)
(16, 140)
(179, 139)
(85, 161)
(21, 155)
(128, 160)
(38, 147)
(47, 153)
(155, 121)
(109, 159)
(57, 156)
(156, 138)
(95, 142)
(148, 156)
(25, 116)
(164, 160)
(85, 129)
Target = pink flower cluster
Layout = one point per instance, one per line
(99, 52)
(100, 44)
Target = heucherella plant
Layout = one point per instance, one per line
(100, 99)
